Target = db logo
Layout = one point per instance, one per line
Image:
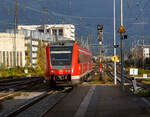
(60, 71)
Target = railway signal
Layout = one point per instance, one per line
(100, 33)
(100, 27)
(116, 46)
(122, 30)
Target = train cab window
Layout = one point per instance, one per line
(61, 56)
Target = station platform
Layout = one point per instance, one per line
(100, 101)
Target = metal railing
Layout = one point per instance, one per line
(38, 35)
(41, 36)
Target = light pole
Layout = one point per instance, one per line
(115, 79)
(121, 31)
(44, 25)
(122, 60)
(15, 31)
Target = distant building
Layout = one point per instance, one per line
(27, 42)
(7, 53)
(140, 51)
(64, 30)
(146, 51)
(35, 33)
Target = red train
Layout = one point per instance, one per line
(67, 63)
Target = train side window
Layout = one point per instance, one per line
(85, 58)
(88, 59)
(79, 58)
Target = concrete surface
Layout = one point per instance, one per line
(105, 101)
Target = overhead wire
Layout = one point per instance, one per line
(64, 15)
(74, 17)
(145, 5)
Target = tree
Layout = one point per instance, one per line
(40, 57)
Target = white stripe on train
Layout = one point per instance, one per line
(79, 76)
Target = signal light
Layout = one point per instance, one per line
(100, 33)
(99, 37)
(53, 71)
(116, 46)
(99, 27)
(125, 36)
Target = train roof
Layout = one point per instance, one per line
(68, 43)
(63, 42)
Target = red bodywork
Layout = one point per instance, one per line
(81, 66)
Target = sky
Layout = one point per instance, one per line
(84, 14)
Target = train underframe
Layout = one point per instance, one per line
(60, 80)
(66, 80)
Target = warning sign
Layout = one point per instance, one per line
(114, 58)
(121, 30)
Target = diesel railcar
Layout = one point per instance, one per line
(67, 63)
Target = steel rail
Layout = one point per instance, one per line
(29, 104)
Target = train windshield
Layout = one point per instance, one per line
(61, 56)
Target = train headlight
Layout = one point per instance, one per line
(68, 71)
(53, 71)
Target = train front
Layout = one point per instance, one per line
(60, 59)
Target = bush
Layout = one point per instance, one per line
(143, 93)
(143, 71)
(19, 71)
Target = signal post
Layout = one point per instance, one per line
(121, 31)
(100, 39)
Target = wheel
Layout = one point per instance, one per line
(52, 83)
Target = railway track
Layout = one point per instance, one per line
(9, 82)
(18, 86)
(128, 79)
(4, 81)
(14, 84)
(28, 106)
(58, 101)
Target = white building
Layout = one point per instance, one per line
(146, 52)
(34, 33)
(64, 30)
(27, 41)
(140, 51)
(7, 52)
